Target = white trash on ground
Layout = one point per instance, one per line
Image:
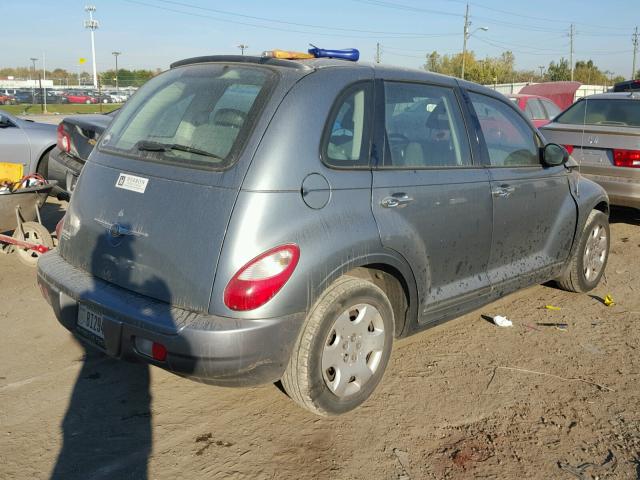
(501, 321)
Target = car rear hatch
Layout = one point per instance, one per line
(596, 147)
(84, 131)
(152, 205)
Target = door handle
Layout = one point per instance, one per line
(397, 200)
(503, 191)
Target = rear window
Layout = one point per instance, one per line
(602, 112)
(199, 115)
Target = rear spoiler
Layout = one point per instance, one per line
(241, 59)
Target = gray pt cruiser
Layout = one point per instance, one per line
(247, 220)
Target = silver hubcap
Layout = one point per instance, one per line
(353, 349)
(595, 252)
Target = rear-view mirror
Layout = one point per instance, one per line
(554, 155)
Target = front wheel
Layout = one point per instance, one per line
(343, 348)
(590, 257)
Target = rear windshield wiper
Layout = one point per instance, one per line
(151, 146)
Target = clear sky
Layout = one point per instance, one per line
(153, 33)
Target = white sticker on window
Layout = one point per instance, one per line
(131, 182)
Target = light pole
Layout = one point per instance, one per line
(466, 36)
(33, 87)
(541, 67)
(92, 25)
(115, 54)
(242, 48)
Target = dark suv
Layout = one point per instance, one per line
(246, 220)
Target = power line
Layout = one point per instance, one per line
(347, 30)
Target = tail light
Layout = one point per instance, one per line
(569, 148)
(259, 280)
(626, 158)
(63, 140)
(59, 227)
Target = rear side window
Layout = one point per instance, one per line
(601, 111)
(199, 115)
(551, 108)
(424, 127)
(348, 131)
(534, 109)
(510, 140)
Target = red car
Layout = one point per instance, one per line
(539, 109)
(6, 99)
(79, 97)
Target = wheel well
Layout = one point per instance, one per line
(44, 154)
(603, 207)
(391, 281)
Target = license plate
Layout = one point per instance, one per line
(90, 321)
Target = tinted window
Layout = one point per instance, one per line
(551, 108)
(348, 129)
(602, 111)
(534, 109)
(424, 127)
(199, 115)
(510, 141)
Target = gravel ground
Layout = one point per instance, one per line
(463, 400)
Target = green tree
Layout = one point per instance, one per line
(560, 71)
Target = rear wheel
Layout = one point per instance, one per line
(590, 258)
(33, 233)
(343, 349)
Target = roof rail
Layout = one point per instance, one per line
(241, 59)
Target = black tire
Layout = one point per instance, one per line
(33, 233)
(304, 379)
(575, 278)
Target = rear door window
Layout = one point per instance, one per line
(511, 142)
(424, 127)
(199, 115)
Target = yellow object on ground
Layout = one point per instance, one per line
(11, 172)
(551, 307)
(608, 300)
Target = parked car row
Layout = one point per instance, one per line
(33, 96)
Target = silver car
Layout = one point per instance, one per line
(26, 142)
(602, 132)
(247, 220)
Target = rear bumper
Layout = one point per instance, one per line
(622, 190)
(206, 348)
(64, 168)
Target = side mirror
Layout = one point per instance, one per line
(554, 155)
(5, 122)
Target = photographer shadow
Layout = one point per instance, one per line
(107, 428)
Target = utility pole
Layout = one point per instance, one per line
(635, 51)
(92, 25)
(377, 52)
(541, 67)
(572, 33)
(465, 34)
(115, 54)
(242, 48)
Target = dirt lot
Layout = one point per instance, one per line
(463, 400)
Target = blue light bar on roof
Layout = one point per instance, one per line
(351, 54)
